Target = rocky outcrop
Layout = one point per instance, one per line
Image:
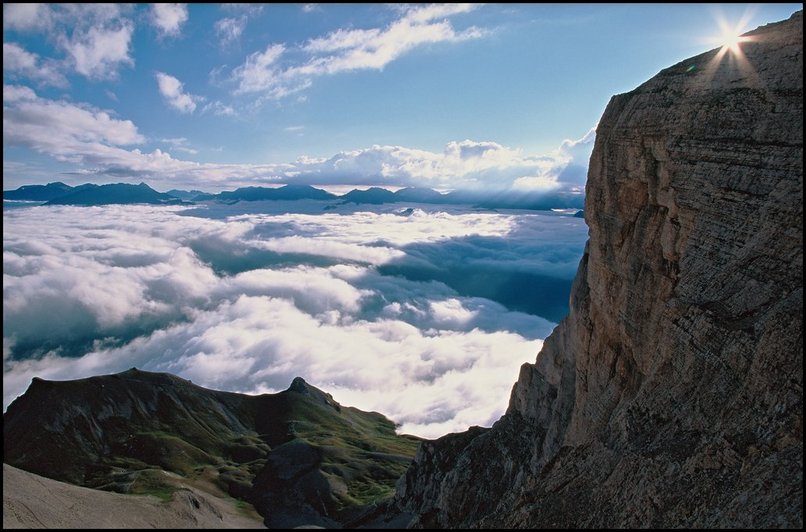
(672, 394)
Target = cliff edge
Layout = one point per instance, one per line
(672, 394)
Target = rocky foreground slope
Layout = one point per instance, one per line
(297, 456)
(672, 395)
(33, 501)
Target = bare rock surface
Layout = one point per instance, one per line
(32, 501)
(672, 394)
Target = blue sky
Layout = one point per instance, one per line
(214, 97)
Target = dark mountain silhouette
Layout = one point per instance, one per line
(41, 192)
(298, 456)
(287, 192)
(203, 196)
(118, 193)
(90, 194)
(187, 195)
(374, 196)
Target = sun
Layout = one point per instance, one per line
(731, 38)
(730, 41)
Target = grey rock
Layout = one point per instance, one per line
(672, 394)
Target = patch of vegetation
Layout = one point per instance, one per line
(153, 482)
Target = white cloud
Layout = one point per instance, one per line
(99, 290)
(13, 93)
(257, 73)
(168, 18)
(463, 164)
(181, 144)
(41, 125)
(26, 17)
(95, 38)
(17, 60)
(171, 90)
(64, 130)
(429, 12)
(97, 52)
(219, 109)
(579, 149)
(229, 30)
(345, 50)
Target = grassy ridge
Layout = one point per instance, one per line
(295, 453)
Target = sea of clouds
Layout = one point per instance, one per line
(424, 314)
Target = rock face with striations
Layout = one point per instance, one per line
(672, 394)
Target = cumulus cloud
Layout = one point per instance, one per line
(15, 93)
(467, 164)
(267, 73)
(98, 52)
(19, 62)
(245, 301)
(67, 131)
(26, 17)
(95, 39)
(171, 89)
(167, 19)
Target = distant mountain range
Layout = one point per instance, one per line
(120, 193)
(287, 192)
(298, 456)
(89, 194)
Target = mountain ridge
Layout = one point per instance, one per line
(58, 193)
(298, 456)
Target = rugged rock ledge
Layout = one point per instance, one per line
(672, 394)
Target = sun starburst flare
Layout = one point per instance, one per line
(730, 40)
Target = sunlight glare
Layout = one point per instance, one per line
(731, 38)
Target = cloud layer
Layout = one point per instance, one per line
(247, 299)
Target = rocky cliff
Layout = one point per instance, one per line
(672, 394)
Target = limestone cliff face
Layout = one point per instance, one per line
(672, 394)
